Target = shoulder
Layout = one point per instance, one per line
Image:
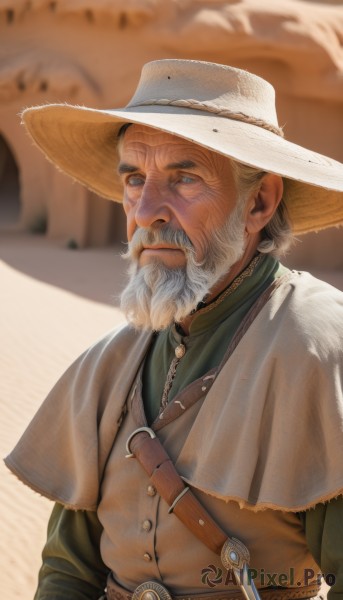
(307, 312)
(300, 290)
(116, 338)
(111, 348)
(89, 398)
(88, 383)
(313, 291)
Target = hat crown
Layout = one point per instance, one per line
(226, 87)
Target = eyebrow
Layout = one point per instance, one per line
(183, 164)
(126, 168)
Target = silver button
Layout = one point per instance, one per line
(151, 491)
(147, 556)
(146, 525)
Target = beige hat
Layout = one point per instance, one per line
(221, 108)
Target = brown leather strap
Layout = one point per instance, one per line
(155, 461)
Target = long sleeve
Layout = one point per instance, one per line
(72, 565)
(324, 534)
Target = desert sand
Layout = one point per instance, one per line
(54, 302)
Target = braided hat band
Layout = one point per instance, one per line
(214, 109)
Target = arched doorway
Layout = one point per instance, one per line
(9, 186)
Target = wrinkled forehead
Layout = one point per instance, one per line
(132, 133)
(138, 144)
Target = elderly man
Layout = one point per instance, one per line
(197, 452)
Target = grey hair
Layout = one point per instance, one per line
(277, 235)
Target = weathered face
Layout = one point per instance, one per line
(170, 181)
(185, 228)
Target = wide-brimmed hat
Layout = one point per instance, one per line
(221, 108)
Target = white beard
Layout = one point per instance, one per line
(157, 296)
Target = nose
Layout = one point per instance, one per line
(151, 207)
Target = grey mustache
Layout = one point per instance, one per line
(152, 237)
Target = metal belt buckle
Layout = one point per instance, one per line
(151, 590)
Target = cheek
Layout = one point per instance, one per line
(221, 205)
(205, 216)
(197, 226)
(215, 204)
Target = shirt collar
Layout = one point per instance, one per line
(248, 284)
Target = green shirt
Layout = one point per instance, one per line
(72, 564)
(210, 334)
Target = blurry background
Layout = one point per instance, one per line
(91, 52)
(54, 302)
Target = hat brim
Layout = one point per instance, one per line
(82, 142)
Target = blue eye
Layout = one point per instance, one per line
(135, 180)
(187, 179)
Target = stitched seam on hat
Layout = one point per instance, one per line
(212, 108)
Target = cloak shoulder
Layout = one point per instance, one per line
(270, 431)
(63, 452)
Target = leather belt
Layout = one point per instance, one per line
(155, 591)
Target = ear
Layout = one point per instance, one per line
(263, 203)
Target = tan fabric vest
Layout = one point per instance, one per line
(141, 541)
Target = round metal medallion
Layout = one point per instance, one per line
(234, 554)
(151, 590)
